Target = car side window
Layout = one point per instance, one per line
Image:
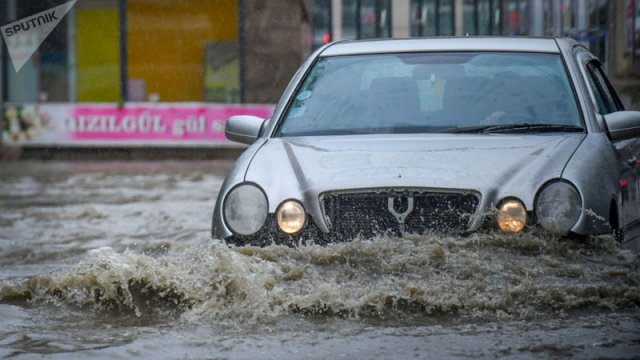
(606, 97)
(597, 92)
(610, 91)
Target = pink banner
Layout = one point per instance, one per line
(134, 124)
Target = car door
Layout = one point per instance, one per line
(607, 101)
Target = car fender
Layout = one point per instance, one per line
(594, 171)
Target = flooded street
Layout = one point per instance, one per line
(116, 260)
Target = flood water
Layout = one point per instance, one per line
(115, 260)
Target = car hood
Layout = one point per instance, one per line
(494, 165)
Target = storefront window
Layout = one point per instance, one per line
(432, 17)
(584, 20)
(488, 17)
(384, 14)
(349, 16)
(481, 17)
(517, 19)
(97, 52)
(445, 17)
(321, 23)
(44, 77)
(470, 13)
(366, 19)
(423, 17)
(367, 16)
(194, 59)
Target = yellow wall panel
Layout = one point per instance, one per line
(166, 42)
(98, 60)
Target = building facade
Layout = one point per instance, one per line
(219, 51)
(611, 29)
(245, 51)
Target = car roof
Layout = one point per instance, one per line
(516, 44)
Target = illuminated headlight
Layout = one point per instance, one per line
(290, 217)
(512, 216)
(245, 209)
(558, 207)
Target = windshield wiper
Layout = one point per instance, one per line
(526, 127)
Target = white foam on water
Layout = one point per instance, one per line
(485, 276)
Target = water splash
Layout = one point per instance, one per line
(484, 276)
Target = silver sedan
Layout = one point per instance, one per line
(443, 135)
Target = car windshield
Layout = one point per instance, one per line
(433, 92)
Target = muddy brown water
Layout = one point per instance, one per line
(115, 260)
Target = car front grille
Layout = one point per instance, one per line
(370, 213)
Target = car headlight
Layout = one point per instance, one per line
(290, 216)
(558, 207)
(245, 209)
(512, 216)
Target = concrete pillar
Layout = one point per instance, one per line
(618, 60)
(272, 54)
(537, 18)
(336, 19)
(401, 16)
(557, 18)
(583, 22)
(458, 18)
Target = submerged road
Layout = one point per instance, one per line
(114, 259)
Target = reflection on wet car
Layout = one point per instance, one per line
(447, 135)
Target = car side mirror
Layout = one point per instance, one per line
(623, 125)
(243, 128)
